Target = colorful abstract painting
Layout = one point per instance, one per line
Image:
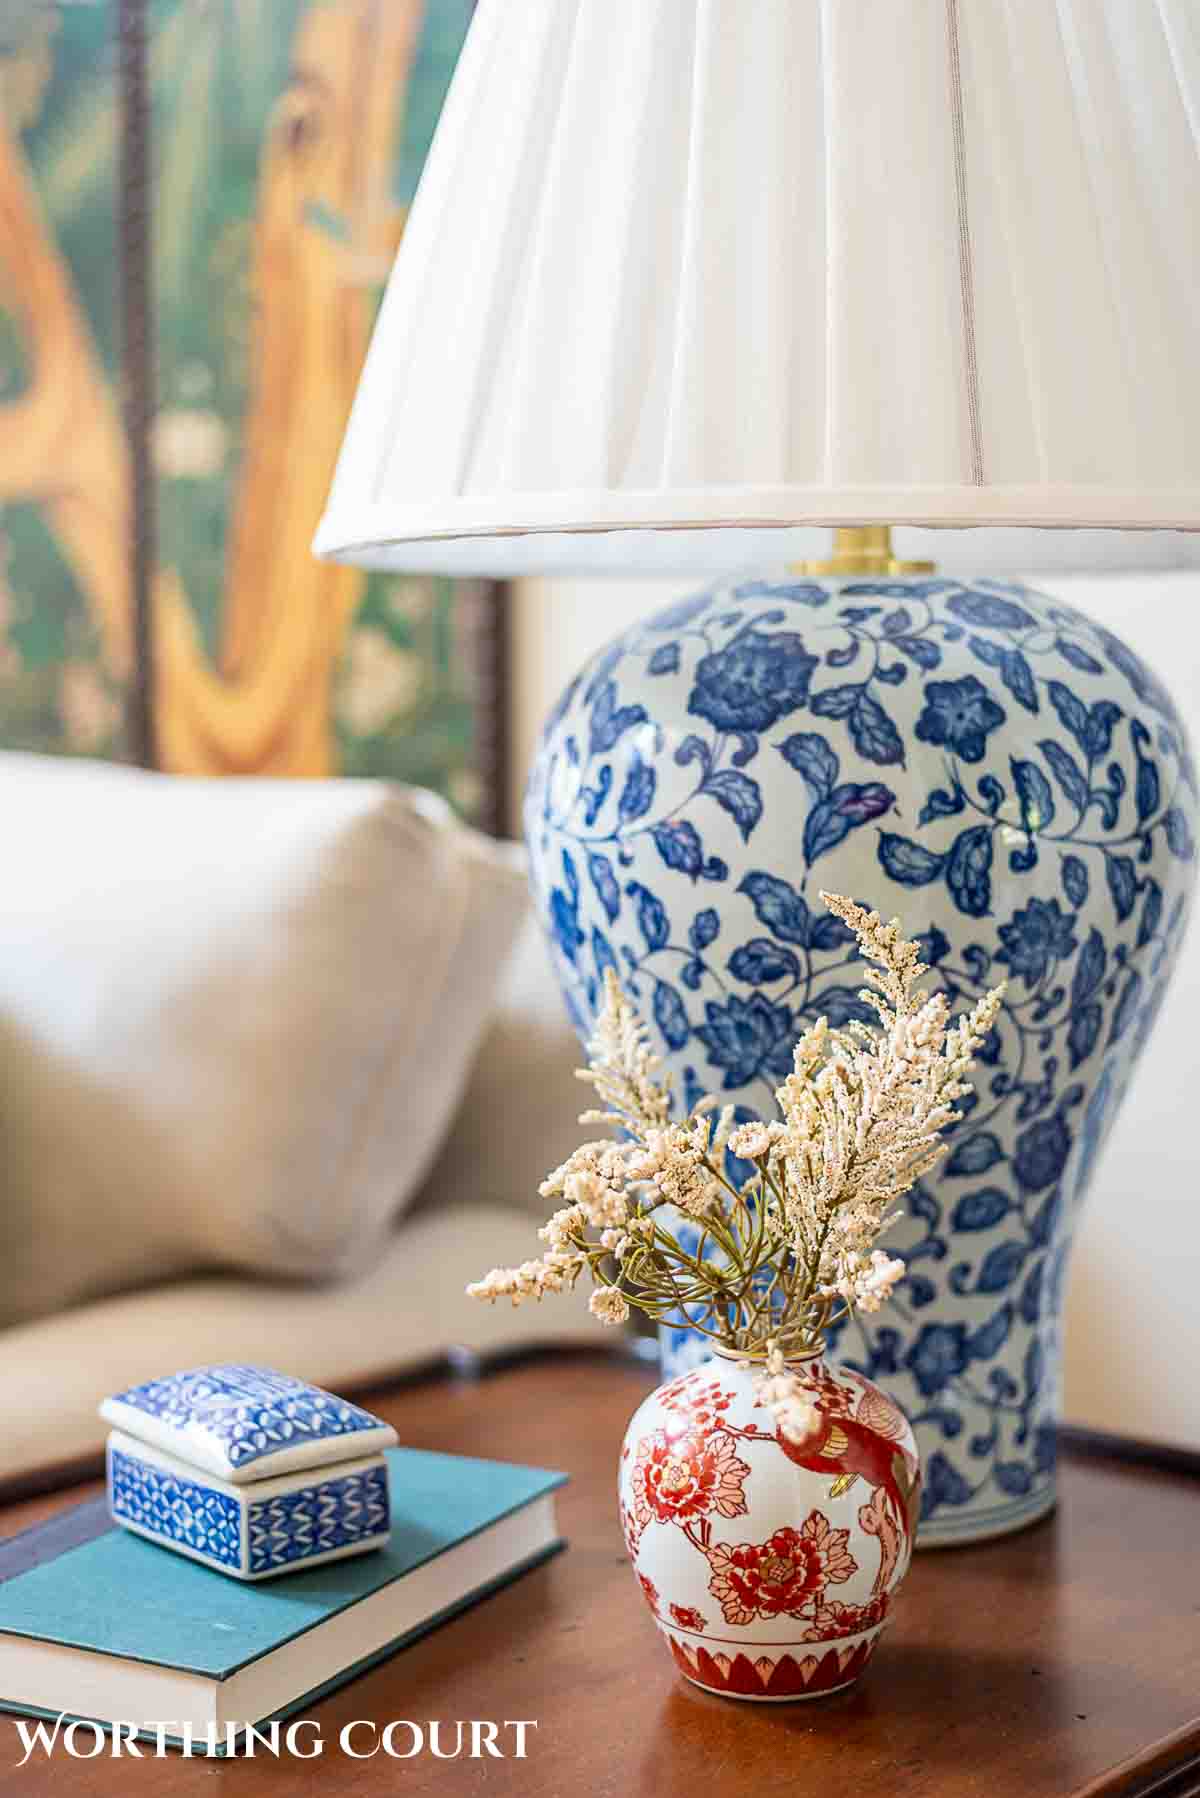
(64, 606)
(284, 141)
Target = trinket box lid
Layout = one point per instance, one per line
(246, 1423)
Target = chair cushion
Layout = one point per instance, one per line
(235, 1017)
(518, 1116)
(402, 1311)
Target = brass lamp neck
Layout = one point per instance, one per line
(863, 549)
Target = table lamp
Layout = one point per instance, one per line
(684, 280)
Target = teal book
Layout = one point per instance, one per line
(97, 1623)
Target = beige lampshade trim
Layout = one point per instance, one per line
(345, 532)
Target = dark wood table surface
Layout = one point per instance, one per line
(1057, 1663)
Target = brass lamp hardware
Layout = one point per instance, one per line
(862, 549)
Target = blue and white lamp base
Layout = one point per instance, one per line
(985, 762)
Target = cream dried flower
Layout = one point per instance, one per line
(602, 1205)
(563, 1226)
(861, 1117)
(868, 1284)
(781, 1392)
(555, 1272)
(750, 1140)
(601, 1158)
(609, 1305)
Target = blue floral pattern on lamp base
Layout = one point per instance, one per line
(1009, 778)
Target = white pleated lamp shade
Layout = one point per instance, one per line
(741, 266)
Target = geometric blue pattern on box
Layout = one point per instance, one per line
(983, 760)
(317, 1519)
(247, 1411)
(184, 1511)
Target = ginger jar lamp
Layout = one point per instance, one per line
(683, 281)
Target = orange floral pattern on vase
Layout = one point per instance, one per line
(701, 1401)
(687, 1617)
(784, 1576)
(686, 1475)
(832, 1619)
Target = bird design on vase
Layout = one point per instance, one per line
(851, 1449)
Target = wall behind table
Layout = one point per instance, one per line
(1133, 1323)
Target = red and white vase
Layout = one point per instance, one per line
(770, 1566)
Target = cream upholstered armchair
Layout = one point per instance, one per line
(280, 1063)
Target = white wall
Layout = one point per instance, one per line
(1133, 1330)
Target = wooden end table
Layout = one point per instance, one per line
(1063, 1662)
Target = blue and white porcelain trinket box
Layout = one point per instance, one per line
(248, 1470)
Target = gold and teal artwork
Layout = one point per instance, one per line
(286, 138)
(64, 613)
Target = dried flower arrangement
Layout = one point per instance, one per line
(793, 1250)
